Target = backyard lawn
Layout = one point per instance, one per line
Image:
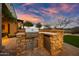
(73, 40)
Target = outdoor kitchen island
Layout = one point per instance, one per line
(51, 40)
(44, 42)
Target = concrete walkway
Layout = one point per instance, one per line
(69, 50)
(71, 34)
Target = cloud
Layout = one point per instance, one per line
(33, 10)
(25, 4)
(67, 7)
(52, 10)
(30, 18)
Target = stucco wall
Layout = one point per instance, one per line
(5, 30)
(13, 27)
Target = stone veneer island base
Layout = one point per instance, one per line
(54, 39)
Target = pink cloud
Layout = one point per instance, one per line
(26, 17)
(67, 7)
(30, 18)
(53, 10)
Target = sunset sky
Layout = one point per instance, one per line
(46, 12)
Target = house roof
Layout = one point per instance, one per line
(6, 13)
(11, 9)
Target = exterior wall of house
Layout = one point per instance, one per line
(5, 27)
(13, 27)
(9, 27)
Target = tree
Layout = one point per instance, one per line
(62, 22)
(28, 24)
(38, 25)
